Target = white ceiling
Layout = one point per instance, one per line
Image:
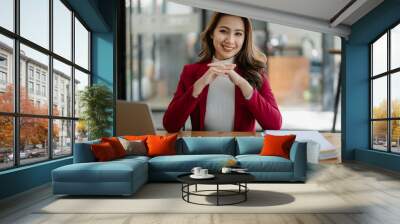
(315, 15)
(321, 9)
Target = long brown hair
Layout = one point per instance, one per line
(250, 60)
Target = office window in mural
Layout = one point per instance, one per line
(385, 94)
(303, 66)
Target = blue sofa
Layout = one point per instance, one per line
(125, 176)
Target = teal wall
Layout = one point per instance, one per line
(355, 98)
(103, 67)
(99, 16)
(103, 51)
(102, 55)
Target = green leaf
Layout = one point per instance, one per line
(96, 102)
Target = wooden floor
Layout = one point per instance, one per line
(379, 189)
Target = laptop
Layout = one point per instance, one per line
(134, 118)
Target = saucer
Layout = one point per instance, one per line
(240, 171)
(208, 176)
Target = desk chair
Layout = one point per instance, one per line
(133, 118)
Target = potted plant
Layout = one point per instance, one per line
(96, 102)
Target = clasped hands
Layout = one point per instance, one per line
(215, 69)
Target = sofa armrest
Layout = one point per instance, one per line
(298, 155)
(83, 152)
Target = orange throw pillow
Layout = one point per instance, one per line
(116, 145)
(103, 151)
(135, 137)
(277, 145)
(161, 145)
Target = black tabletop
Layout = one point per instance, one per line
(220, 178)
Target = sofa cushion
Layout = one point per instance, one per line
(206, 145)
(135, 137)
(257, 163)
(103, 152)
(116, 145)
(132, 158)
(185, 163)
(277, 145)
(134, 147)
(249, 145)
(112, 171)
(93, 172)
(161, 145)
(83, 152)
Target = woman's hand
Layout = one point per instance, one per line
(208, 77)
(238, 80)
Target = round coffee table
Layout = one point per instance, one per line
(238, 179)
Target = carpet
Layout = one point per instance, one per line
(166, 198)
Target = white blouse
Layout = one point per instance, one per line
(220, 107)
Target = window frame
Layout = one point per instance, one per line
(3, 77)
(16, 115)
(388, 74)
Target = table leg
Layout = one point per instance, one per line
(188, 189)
(245, 193)
(182, 190)
(217, 194)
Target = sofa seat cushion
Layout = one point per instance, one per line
(185, 163)
(257, 163)
(133, 158)
(111, 171)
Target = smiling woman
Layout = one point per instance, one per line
(228, 37)
(227, 89)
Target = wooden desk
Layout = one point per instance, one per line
(216, 133)
(213, 133)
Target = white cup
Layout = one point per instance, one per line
(203, 172)
(226, 170)
(196, 170)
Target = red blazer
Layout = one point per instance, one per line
(261, 106)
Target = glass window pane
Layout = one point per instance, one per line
(173, 8)
(35, 21)
(395, 136)
(81, 45)
(62, 141)
(379, 135)
(7, 14)
(33, 140)
(379, 98)
(395, 47)
(6, 142)
(62, 89)
(395, 94)
(34, 96)
(6, 74)
(81, 81)
(81, 131)
(62, 29)
(379, 55)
